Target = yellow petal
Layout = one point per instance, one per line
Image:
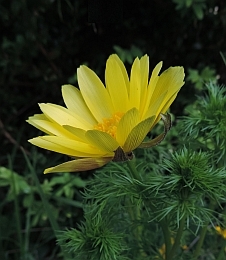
(78, 132)
(154, 108)
(138, 134)
(144, 70)
(171, 80)
(116, 85)
(102, 141)
(129, 120)
(79, 165)
(151, 86)
(66, 146)
(74, 101)
(42, 143)
(53, 129)
(94, 94)
(135, 84)
(63, 116)
(218, 228)
(35, 123)
(123, 70)
(38, 117)
(168, 103)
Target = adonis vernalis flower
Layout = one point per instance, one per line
(221, 231)
(103, 124)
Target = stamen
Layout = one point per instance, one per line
(110, 125)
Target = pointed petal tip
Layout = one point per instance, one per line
(66, 86)
(32, 139)
(48, 170)
(145, 56)
(81, 69)
(113, 56)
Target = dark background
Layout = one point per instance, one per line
(42, 43)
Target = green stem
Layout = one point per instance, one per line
(136, 216)
(167, 237)
(133, 170)
(200, 241)
(166, 232)
(163, 223)
(177, 239)
(202, 234)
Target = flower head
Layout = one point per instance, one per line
(101, 124)
(221, 231)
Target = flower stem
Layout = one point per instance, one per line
(202, 234)
(200, 241)
(167, 237)
(177, 239)
(163, 223)
(133, 170)
(136, 216)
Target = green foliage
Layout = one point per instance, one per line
(205, 124)
(29, 215)
(198, 7)
(199, 79)
(94, 240)
(192, 179)
(17, 184)
(128, 55)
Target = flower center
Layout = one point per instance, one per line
(110, 124)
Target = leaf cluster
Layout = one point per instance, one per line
(183, 186)
(24, 220)
(94, 240)
(205, 124)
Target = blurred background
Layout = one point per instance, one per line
(42, 43)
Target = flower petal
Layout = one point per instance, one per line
(123, 70)
(144, 70)
(171, 80)
(94, 94)
(33, 121)
(138, 134)
(66, 146)
(135, 84)
(116, 85)
(38, 117)
(63, 116)
(79, 165)
(52, 128)
(129, 120)
(102, 141)
(78, 132)
(74, 101)
(151, 86)
(168, 104)
(154, 107)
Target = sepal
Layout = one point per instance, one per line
(167, 125)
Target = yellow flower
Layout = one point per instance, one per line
(162, 249)
(221, 231)
(101, 124)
